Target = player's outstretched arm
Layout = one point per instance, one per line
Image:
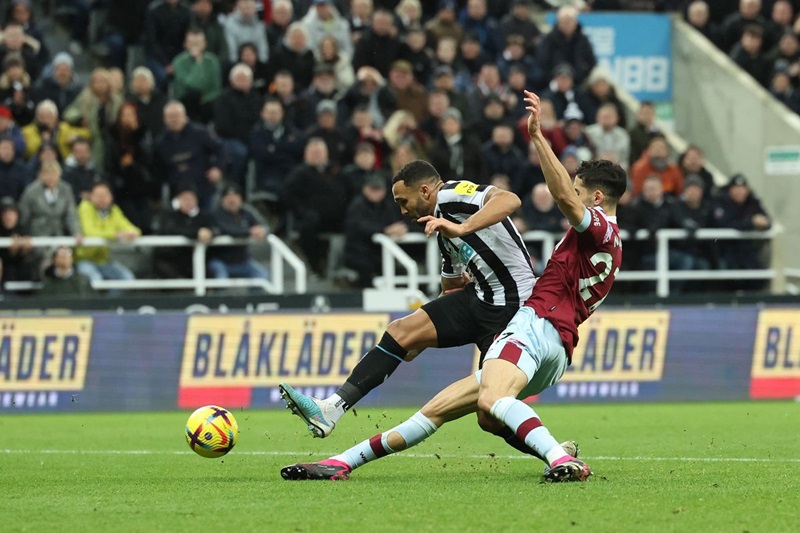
(497, 205)
(556, 176)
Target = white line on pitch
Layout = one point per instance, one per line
(409, 455)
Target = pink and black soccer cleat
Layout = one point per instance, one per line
(567, 468)
(324, 470)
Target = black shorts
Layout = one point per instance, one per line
(461, 318)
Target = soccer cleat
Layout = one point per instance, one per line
(316, 471)
(568, 468)
(572, 449)
(312, 410)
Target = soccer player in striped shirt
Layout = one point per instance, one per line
(534, 350)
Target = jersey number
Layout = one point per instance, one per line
(586, 283)
(467, 188)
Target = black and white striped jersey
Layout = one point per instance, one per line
(495, 257)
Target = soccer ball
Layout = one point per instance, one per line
(211, 431)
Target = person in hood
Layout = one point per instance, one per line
(59, 83)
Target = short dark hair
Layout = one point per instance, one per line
(416, 172)
(605, 175)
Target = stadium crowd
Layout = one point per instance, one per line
(306, 108)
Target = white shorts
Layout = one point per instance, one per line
(534, 346)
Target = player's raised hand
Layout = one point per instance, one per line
(445, 227)
(533, 105)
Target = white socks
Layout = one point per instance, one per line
(526, 424)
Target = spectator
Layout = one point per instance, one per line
(323, 19)
(414, 50)
(575, 135)
(501, 181)
(338, 150)
(782, 89)
(15, 43)
(515, 56)
(570, 160)
(360, 18)
(80, 171)
(566, 43)
(455, 155)
(316, 197)
(362, 130)
(438, 103)
(9, 130)
(444, 80)
(698, 16)
(655, 161)
(472, 59)
(738, 208)
(95, 108)
(282, 16)
(185, 219)
(62, 280)
(100, 217)
(600, 91)
(786, 56)
(561, 91)
(475, 19)
(518, 22)
(124, 26)
(493, 113)
(408, 93)
(283, 89)
(379, 46)
(401, 128)
(237, 219)
(500, 153)
(294, 56)
(693, 211)
(539, 212)
(235, 113)
(197, 77)
(607, 136)
(323, 87)
(203, 18)
(529, 175)
(489, 83)
(655, 211)
(47, 207)
(692, 162)
(644, 130)
(373, 211)
(128, 160)
(148, 100)
(188, 156)
(408, 14)
(243, 26)
(336, 63)
(733, 26)
(47, 152)
(60, 84)
(16, 96)
(47, 129)
(749, 54)
(12, 172)
(370, 90)
(551, 127)
(166, 24)
(17, 261)
(355, 174)
(20, 11)
(276, 148)
(780, 21)
(445, 24)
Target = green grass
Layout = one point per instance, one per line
(694, 486)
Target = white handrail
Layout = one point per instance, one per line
(280, 253)
(662, 275)
(392, 252)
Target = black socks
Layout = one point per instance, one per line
(373, 369)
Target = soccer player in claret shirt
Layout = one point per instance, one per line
(482, 242)
(534, 350)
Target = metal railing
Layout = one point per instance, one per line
(280, 255)
(662, 274)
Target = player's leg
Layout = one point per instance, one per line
(455, 401)
(528, 345)
(443, 322)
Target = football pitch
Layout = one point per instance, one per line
(658, 467)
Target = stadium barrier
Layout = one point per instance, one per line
(662, 274)
(280, 254)
(132, 362)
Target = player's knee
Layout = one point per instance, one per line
(399, 332)
(485, 402)
(489, 423)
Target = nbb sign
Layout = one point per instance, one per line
(635, 48)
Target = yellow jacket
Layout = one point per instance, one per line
(107, 227)
(66, 133)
